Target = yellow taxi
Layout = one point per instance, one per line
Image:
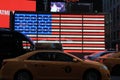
(52, 65)
(112, 61)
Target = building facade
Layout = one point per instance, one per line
(112, 7)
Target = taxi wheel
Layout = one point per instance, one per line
(116, 70)
(22, 75)
(92, 75)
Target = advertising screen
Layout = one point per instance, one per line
(13, 5)
(57, 7)
(78, 33)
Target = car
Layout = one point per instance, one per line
(112, 61)
(96, 55)
(13, 44)
(52, 65)
(114, 55)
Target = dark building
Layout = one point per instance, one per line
(96, 5)
(112, 7)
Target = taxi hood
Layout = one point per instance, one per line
(93, 62)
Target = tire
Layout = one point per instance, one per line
(22, 75)
(92, 75)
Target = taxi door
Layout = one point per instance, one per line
(42, 66)
(65, 68)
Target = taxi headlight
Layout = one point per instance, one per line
(104, 67)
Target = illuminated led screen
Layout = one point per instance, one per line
(77, 32)
(13, 5)
(57, 7)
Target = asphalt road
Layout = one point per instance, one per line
(115, 77)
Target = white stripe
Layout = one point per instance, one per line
(93, 30)
(66, 36)
(94, 19)
(26, 47)
(71, 36)
(53, 18)
(93, 24)
(71, 24)
(84, 48)
(76, 42)
(96, 48)
(67, 30)
(67, 24)
(80, 42)
(93, 36)
(55, 24)
(77, 48)
(93, 42)
(71, 18)
(46, 41)
(43, 35)
(72, 42)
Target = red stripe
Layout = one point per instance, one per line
(79, 27)
(71, 16)
(84, 45)
(90, 33)
(55, 15)
(52, 39)
(93, 16)
(26, 44)
(55, 21)
(72, 45)
(70, 21)
(73, 39)
(82, 51)
(55, 27)
(42, 38)
(93, 45)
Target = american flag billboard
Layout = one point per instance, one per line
(79, 33)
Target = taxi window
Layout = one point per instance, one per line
(62, 57)
(51, 56)
(40, 56)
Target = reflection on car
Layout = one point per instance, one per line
(95, 56)
(52, 65)
(110, 59)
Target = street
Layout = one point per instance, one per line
(115, 77)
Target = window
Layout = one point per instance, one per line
(51, 56)
(63, 57)
(40, 56)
